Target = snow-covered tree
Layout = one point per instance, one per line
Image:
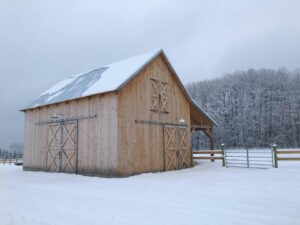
(253, 108)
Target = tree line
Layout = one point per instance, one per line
(253, 108)
(15, 150)
(5, 154)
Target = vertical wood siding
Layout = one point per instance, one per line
(140, 147)
(114, 144)
(97, 137)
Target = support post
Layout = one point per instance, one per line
(211, 147)
(247, 152)
(275, 156)
(223, 155)
(191, 147)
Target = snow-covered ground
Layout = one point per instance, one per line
(206, 194)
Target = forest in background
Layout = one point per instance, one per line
(15, 150)
(253, 108)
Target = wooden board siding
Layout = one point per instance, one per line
(140, 146)
(97, 137)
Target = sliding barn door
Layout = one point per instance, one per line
(176, 147)
(69, 147)
(53, 147)
(62, 147)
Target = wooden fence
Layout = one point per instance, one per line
(212, 153)
(16, 161)
(277, 154)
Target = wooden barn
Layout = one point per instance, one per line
(126, 118)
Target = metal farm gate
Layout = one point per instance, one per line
(249, 158)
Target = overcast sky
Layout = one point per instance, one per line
(42, 42)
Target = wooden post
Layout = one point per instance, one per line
(247, 152)
(211, 147)
(275, 155)
(191, 147)
(223, 155)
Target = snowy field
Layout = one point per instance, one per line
(206, 194)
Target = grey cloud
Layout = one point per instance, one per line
(43, 42)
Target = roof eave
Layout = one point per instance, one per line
(204, 113)
(73, 99)
(139, 70)
(161, 52)
(185, 91)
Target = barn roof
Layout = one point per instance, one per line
(107, 78)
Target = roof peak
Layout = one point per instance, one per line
(153, 51)
(107, 78)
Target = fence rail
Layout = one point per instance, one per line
(16, 161)
(212, 157)
(277, 154)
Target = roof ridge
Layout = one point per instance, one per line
(112, 77)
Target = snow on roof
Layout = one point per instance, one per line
(104, 79)
(107, 78)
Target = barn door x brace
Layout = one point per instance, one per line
(176, 146)
(62, 144)
(62, 147)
